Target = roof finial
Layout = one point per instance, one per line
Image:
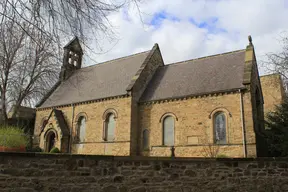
(250, 39)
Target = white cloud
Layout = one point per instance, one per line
(181, 40)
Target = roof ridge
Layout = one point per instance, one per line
(124, 57)
(205, 57)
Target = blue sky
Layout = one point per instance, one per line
(161, 16)
(210, 23)
(187, 29)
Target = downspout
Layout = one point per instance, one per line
(71, 130)
(243, 124)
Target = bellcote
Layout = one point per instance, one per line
(72, 59)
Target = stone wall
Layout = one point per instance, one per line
(31, 172)
(194, 125)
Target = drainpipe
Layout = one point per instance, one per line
(243, 124)
(71, 130)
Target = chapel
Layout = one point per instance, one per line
(139, 106)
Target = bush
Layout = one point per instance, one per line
(276, 133)
(34, 149)
(54, 150)
(13, 137)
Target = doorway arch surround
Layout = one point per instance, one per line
(50, 138)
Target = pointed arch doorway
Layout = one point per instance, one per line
(50, 140)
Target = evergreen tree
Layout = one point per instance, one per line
(277, 130)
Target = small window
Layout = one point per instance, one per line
(168, 131)
(220, 128)
(110, 127)
(145, 142)
(81, 128)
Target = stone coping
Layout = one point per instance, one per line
(135, 158)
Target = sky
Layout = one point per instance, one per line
(187, 29)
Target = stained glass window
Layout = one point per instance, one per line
(220, 128)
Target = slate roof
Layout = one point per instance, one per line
(198, 76)
(23, 112)
(218, 73)
(103, 80)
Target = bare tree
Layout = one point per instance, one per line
(209, 149)
(58, 18)
(28, 68)
(31, 32)
(278, 62)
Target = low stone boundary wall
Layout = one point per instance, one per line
(63, 172)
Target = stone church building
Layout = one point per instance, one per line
(137, 105)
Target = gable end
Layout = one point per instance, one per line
(145, 63)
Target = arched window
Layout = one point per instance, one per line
(168, 131)
(145, 142)
(44, 122)
(220, 128)
(81, 128)
(110, 127)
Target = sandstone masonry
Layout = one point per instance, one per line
(273, 91)
(31, 172)
(193, 115)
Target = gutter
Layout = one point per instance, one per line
(83, 102)
(243, 125)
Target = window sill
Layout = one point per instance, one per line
(100, 142)
(201, 145)
(109, 141)
(146, 150)
(78, 142)
(164, 146)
